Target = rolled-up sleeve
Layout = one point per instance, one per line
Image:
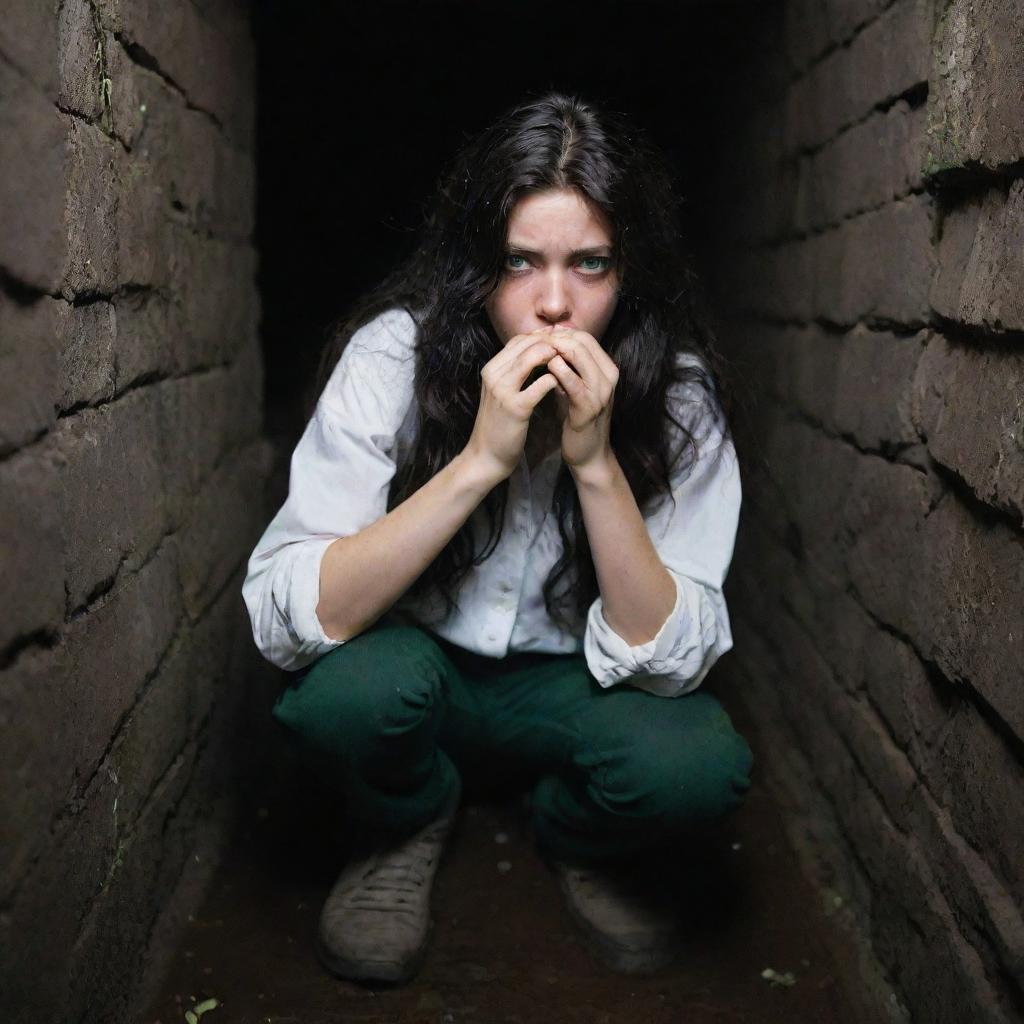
(339, 477)
(695, 538)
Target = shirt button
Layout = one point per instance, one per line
(491, 636)
(506, 588)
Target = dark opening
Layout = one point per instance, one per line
(361, 106)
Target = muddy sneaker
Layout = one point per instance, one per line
(622, 926)
(375, 923)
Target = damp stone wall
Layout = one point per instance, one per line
(131, 485)
(871, 258)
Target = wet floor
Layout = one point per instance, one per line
(504, 948)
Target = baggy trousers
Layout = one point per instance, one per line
(396, 717)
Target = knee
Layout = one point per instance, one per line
(365, 691)
(678, 779)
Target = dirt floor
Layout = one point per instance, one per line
(503, 948)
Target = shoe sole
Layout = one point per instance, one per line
(387, 972)
(621, 959)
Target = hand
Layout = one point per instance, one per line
(587, 377)
(503, 418)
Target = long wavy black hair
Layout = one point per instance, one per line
(551, 141)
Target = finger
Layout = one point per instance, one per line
(539, 388)
(535, 355)
(601, 357)
(571, 382)
(514, 347)
(511, 371)
(579, 357)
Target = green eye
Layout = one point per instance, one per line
(514, 256)
(602, 262)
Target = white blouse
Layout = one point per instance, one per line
(341, 469)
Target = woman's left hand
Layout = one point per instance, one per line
(587, 376)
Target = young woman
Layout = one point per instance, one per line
(502, 552)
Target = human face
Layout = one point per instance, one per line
(546, 280)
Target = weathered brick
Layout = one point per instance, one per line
(814, 507)
(884, 61)
(813, 26)
(120, 225)
(32, 581)
(112, 502)
(148, 336)
(82, 61)
(970, 768)
(38, 931)
(93, 161)
(807, 32)
(865, 659)
(868, 165)
(878, 265)
(884, 764)
(206, 417)
(108, 958)
(140, 219)
(138, 210)
(873, 752)
(88, 354)
(28, 39)
(975, 776)
(215, 71)
(848, 637)
(153, 734)
(971, 411)
(980, 278)
(859, 383)
(35, 726)
(174, 705)
(89, 855)
(976, 89)
(915, 707)
(223, 524)
(988, 915)
(206, 182)
(229, 17)
(113, 650)
(32, 185)
(217, 322)
(875, 403)
(941, 973)
(143, 227)
(955, 586)
(28, 370)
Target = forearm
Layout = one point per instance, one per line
(637, 591)
(363, 575)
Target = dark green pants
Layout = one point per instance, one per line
(396, 716)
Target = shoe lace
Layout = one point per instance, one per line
(396, 877)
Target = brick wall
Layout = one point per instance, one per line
(872, 199)
(131, 477)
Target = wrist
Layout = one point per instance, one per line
(599, 473)
(476, 473)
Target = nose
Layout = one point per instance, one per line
(554, 303)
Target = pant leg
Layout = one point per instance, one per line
(367, 717)
(631, 770)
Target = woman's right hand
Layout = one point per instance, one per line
(503, 418)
